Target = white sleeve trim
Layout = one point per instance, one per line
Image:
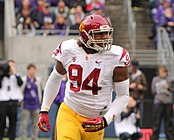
(121, 101)
(51, 89)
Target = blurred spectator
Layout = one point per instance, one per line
(162, 89)
(170, 24)
(126, 127)
(167, 21)
(90, 4)
(10, 96)
(61, 9)
(160, 19)
(60, 25)
(18, 4)
(55, 106)
(160, 13)
(48, 27)
(47, 12)
(138, 86)
(26, 27)
(24, 14)
(37, 14)
(40, 4)
(54, 2)
(34, 14)
(26, 4)
(75, 18)
(138, 82)
(47, 18)
(99, 9)
(153, 6)
(76, 13)
(73, 3)
(31, 104)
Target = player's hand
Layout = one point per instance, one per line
(43, 122)
(94, 124)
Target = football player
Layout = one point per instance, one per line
(94, 68)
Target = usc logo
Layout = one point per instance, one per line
(81, 27)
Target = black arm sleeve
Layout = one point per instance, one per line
(126, 114)
(19, 80)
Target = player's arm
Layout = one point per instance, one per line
(52, 86)
(50, 92)
(121, 87)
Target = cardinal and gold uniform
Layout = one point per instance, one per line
(89, 86)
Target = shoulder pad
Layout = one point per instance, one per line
(123, 55)
(62, 47)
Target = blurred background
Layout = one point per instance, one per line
(31, 29)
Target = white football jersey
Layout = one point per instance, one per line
(90, 76)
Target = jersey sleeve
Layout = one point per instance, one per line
(124, 59)
(64, 51)
(57, 53)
